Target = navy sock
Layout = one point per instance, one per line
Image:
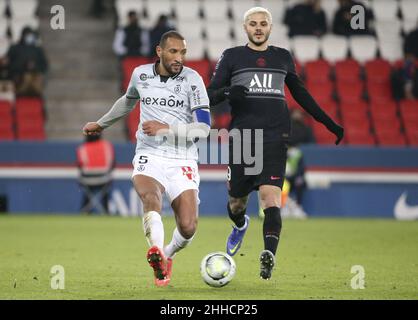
(272, 227)
(237, 217)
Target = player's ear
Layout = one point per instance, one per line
(159, 50)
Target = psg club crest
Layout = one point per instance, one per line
(261, 62)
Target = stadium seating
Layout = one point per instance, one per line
(124, 6)
(217, 31)
(317, 71)
(409, 9)
(29, 119)
(216, 47)
(354, 70)
(23, 8)
(385, 10)
(378, 70)
(276, 7)
(191, 30)
(306, 48)
(388, 29)
(334, 48)
(196, 49)
(350, 92)
(347, 71)
(379, 91)
(215, 10)
(383, 109)
(391, 49)
(363, 48)
(238, 8)
(6, 123)
(155, 8)
(187, 10)
(321, 91)
(354, 137)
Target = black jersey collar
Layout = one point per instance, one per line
(248, 47)
(154, 69)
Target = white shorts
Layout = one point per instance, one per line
(175, 175)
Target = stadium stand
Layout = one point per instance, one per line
(345, 74)
(22, 117)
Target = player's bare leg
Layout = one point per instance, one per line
(150, 191)
(270, 198)
(186, 212)
(185, 208)
(236, 211)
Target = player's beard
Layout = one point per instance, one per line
(258, 43)
(170, 68)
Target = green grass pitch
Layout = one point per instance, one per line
(104, 258)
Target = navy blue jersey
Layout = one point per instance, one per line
(265, 74)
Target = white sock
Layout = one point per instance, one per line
(153, 228)
(177, 243)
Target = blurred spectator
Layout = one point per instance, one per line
(6, 83)
(300, 131)
(404, 80)
(28, 64)
(161, 27)
(131, 40)
(96, 161)
(306, 19)
(411, 43)
(342, 20)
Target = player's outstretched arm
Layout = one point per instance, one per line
(307, 102)
(121, 108)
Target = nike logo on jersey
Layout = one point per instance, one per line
(274, 178)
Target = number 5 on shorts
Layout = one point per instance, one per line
(142, 159)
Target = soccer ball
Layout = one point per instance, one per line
(217, 269)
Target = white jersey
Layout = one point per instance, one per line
(170, 102)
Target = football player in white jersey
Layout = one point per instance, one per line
(174, 112)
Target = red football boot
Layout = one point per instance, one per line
(158, 262)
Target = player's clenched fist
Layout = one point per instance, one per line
(92, 128)
(151, 128)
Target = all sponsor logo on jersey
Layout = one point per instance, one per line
(163, 102)
(263, 84)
